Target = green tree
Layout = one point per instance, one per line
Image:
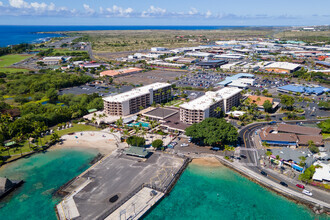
(325, 126)
(307, 175)
(136, 141)
(302, 161)
(52, 95)
(54, 138)
(288, 101)
(213, 131)
(312, 147)
(267, 106)
(157, 144)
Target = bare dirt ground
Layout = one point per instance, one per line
(150, 77)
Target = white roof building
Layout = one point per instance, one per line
(323, 173)
(204, 102)
(199, 54)
(122, 97)
(284, 65)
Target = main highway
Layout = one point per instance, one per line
(251, 158)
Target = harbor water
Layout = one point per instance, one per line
(43, 174)
(220, 193)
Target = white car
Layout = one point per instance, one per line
(184, 145)
(306, 192)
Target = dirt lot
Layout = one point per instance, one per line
(151, 77)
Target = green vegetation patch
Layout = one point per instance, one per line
(8, 60)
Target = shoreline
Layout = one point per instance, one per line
(102, 142)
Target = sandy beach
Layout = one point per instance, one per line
(207, 161)
(104, 142)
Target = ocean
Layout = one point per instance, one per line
(43, 174)
(12, 34)
(201, 193)
(204, 193)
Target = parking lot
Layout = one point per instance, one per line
(149, 77)
(90, 89)
(201, 80)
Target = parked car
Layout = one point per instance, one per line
(263, 173)
(306, 192)
(300, 186)
(215, 148)
(284, 184)
(184, 145)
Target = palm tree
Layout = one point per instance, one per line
(218, 110)
(54, 137)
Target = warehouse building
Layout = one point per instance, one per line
(240, 80)
(211, 64)
(209, 105)
(282, 67)
(139, 98)
(316, 90)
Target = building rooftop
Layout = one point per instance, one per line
(304, 89)
(135, 92)
(322, 173)
(137, 151)
(160, 113)
(298, 129)
(288, 154)
(304, 139)
(230, 79)
(283, 65)
(259, 100)
(205, 101)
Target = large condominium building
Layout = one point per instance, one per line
(136, 99)
(209, 105)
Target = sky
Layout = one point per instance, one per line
(165, 12)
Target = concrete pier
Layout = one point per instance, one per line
(137, 205)
(120, 187)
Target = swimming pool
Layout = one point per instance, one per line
(138, 124)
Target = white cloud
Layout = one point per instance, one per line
(88, 9)
(19, 4)
(153, 11)
(208, 14)
(117, 11)
(193, 11)
(1, 4)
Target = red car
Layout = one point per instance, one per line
(300, 186)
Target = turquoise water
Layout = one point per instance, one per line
(220, 193)
(43, 174)
(137, 124)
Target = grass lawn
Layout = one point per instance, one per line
(12, 70)
(26, 149)
(326, 135)
(175, 103)
(8, 60)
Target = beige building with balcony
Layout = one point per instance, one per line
(136, 99)
(209, 105)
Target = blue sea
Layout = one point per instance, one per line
(204, 193)
(12, 34)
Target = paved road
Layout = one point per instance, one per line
(252, 162)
